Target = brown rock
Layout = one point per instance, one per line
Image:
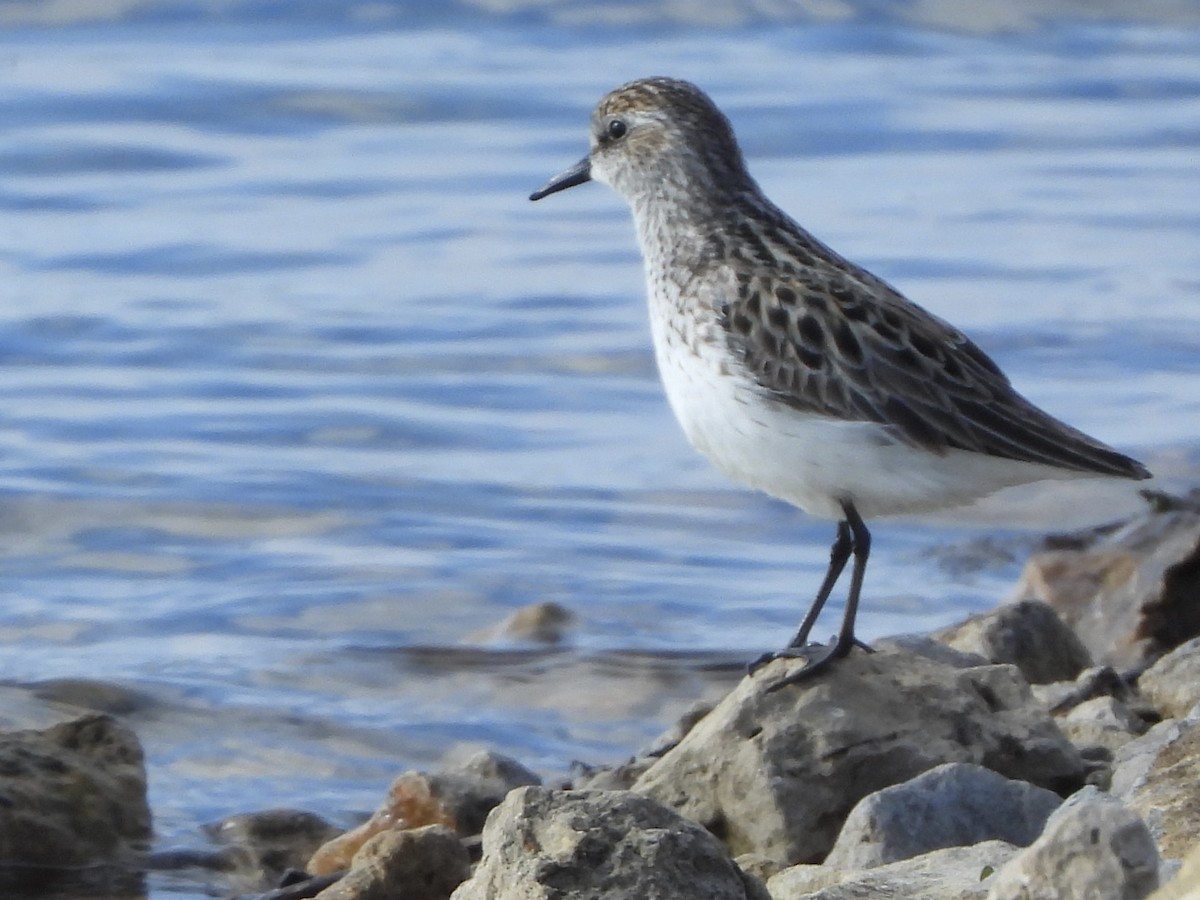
(410, 803)
(541, 623)
(470, 791)
(421, 864)
(459, 799)
(1131, 595)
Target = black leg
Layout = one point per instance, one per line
(862, 550)
(843, 544)
(852, 538)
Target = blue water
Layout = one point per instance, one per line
(298, 389)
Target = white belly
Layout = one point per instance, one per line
(816, 462)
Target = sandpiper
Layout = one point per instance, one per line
(794, 370)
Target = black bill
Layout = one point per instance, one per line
(578, 174)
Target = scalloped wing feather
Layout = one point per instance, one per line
(835, 341)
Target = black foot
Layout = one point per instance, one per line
(806, 652)
(820, 657)
(785, 653)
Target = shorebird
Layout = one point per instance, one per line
(794, 370)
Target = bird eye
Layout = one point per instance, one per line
(616, 129)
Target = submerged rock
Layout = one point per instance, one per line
(74, 795)
(539, 623)
(94, 695)
(260, 847)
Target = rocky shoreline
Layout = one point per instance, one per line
(1049, 748)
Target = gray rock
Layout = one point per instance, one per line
(1130, 595)
(956, 804)
(1027, 634)
(1158, 776)
(1102, 722)
(679, 730)
(1093, 847)
(600, 845)
(622, 777)
(1172, 685)
(470, 791)
(418, 864)
(1099, 681)
(609, 778)
(952, 873)
(776, 773)
(758, 866)
(1134, 761)
(74, 795)
(930, 648)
